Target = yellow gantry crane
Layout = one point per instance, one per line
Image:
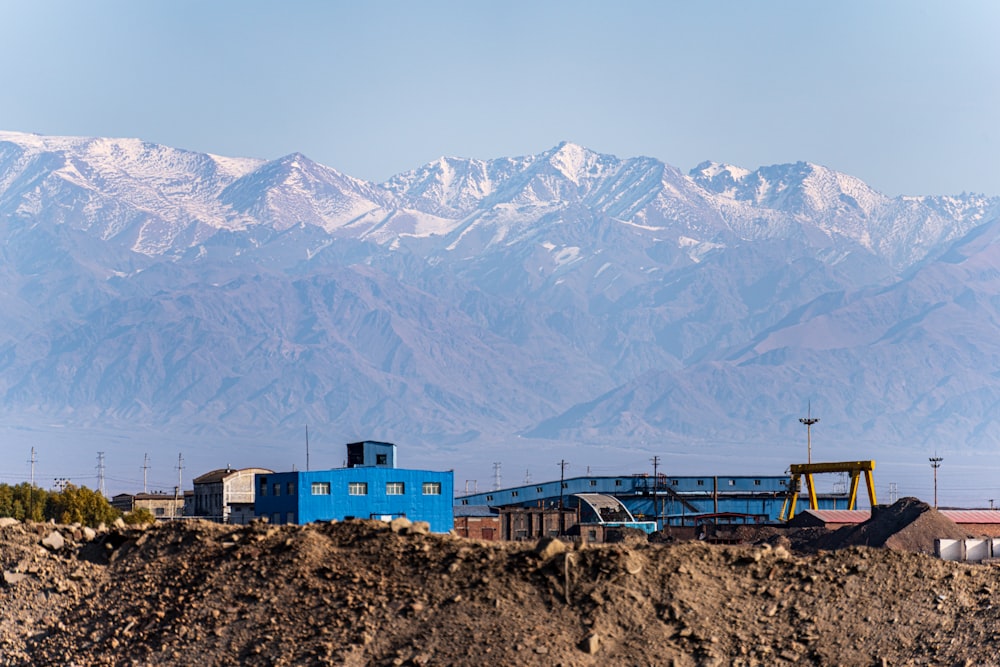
(855, 468)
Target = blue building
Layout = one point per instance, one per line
(667, 500)
(370, 487)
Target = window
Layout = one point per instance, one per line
(276, 488)
(290, 488)
(290, 517)
(263, 486)
(593, 482)
(489, 498)
(276, 518)
(673, 482)
(465, 501)
(159, 511)
(701, 482)
(618, 482)
(381, 459)
(432, 488)
(538, 489)
(732, 482)
(321, 488)
(756, 482)
(395, 488)
(565, 485)
(357, 489)
(513, 494)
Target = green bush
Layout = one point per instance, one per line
(139, 517)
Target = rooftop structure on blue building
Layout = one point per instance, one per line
(370, 487)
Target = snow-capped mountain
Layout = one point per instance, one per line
(568, 295)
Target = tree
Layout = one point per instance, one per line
(80, 505)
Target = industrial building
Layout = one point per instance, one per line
(225, 495)
(160, 505)
(663, 499)
(370, 487)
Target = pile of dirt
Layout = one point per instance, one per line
(908, 524)
(370, 593)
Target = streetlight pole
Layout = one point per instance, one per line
(935, 463)
(809, 420)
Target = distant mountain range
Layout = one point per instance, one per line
(567, 296)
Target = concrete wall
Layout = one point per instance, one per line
(971, 550)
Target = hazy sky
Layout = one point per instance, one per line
(903, 94)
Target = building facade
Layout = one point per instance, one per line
(225, 495)
(371, 487)
(160, 505)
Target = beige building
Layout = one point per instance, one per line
(226, 495)
(160, 505)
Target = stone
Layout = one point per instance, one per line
(548, 547)
(591, 643)
(54, 541)
(8, 521)
(419, 528)
(13, 578)
(400, 524)
(89, 533)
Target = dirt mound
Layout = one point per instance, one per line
(907, 525)
(365, 593)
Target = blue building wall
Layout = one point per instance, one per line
(324, 495)
(758, 495)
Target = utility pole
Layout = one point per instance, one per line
(527, 476)
(496, 476)
(180, 467)
(935, 464)
(809, 420)
(562, 476)
(145, 467)
(656, 489)
(100, 474)
(31, 491)
(307, 447)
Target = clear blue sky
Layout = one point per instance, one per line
(904, 94)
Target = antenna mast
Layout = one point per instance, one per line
(307, 447)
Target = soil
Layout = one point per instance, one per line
(370, 593)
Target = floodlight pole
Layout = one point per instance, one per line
(809, 420)
(935, 463)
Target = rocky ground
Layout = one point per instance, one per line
(367, 593)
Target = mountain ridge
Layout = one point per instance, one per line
(570, 295)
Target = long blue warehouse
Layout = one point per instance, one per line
(666, 499)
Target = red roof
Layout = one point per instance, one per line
(972, 516)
